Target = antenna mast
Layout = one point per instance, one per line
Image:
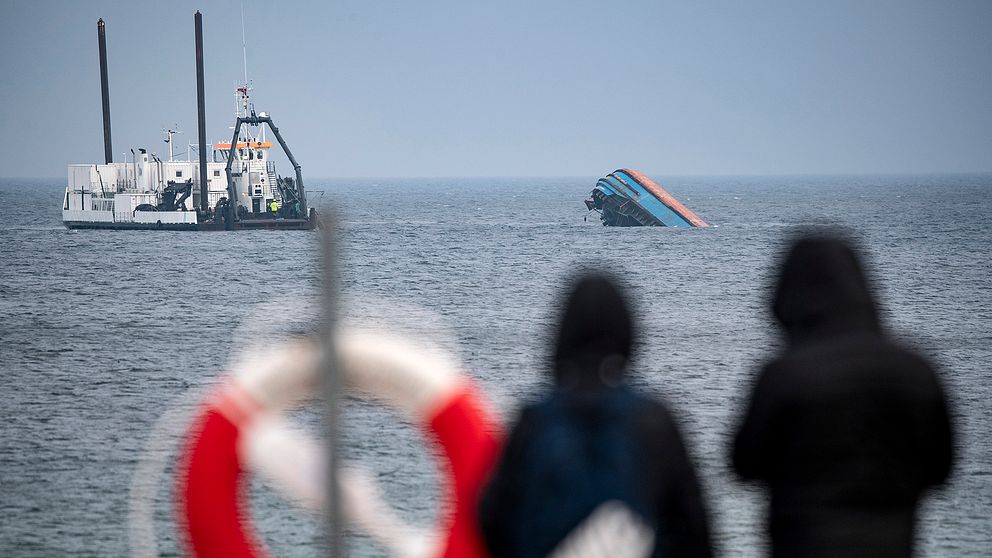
(244, 106)
(244, 46)
(168, 139)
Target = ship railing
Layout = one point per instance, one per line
(102, 203)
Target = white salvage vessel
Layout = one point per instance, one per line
(235, 188)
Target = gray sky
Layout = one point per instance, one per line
(530, 87)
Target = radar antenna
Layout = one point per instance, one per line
(169, 132)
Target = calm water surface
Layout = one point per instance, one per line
(101, 332)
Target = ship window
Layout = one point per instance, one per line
(259, 153)
(179, 174)
(251, 154)
(216, 173)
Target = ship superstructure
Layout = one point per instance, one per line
(235, 187)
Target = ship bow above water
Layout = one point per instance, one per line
(628, 198)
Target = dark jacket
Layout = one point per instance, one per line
(592, 425)
(846, 428)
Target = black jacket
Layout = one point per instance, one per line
(592, 426)
(846, 428)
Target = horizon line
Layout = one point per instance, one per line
(584, 176)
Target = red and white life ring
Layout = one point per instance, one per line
(238, 429)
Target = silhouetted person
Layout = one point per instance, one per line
(846, 428)
(593, 463)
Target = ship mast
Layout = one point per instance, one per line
(169, 132)
(244, 47)
(243, 105)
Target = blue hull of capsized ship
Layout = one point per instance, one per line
(628, 198)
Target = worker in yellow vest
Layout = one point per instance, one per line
(274, 206)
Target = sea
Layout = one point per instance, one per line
(108, 339)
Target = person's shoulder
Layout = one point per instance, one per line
(906, 352)
(651, 411)
(550, 403)
(913, 364)
(650, 403)
(880, 347)
(775, 374)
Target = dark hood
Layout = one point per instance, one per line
(595, 334)
(822, 291)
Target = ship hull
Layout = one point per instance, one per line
(96, 225)
(628, 198)
(250, 224)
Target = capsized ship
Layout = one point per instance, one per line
(236, 189)
(628, 198)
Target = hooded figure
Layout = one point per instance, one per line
(593, 464)
(846, 428)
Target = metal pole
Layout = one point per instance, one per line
(108, 150)
(232, 192)
(331, 389)
(201, 113)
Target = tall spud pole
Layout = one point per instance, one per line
(331, 387)
(108, 148)
(201, 116)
